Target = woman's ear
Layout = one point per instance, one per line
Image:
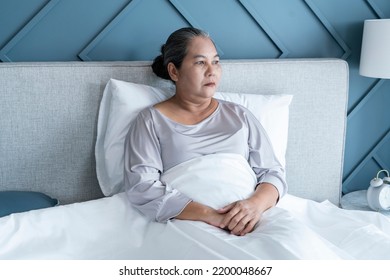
(172, 71)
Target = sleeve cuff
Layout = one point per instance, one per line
(174, 205)
(277, 183)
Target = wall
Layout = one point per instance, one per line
(92, 30)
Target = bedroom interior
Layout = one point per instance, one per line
(74, 73)
(41, 30)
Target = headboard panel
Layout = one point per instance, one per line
(48, 117)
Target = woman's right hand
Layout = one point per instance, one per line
(215, 218)
(195, 211)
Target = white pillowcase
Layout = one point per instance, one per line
(122, 101)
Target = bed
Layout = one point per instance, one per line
(61, 129)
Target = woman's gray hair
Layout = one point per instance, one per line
(175, 49)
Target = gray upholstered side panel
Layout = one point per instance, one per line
(48, 115)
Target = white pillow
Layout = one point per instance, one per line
(122, 101)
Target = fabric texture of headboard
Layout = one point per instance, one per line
(48, 120)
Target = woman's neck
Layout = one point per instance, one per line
(200, 106)
(187, 112)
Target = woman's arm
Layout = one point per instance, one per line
(142, 168)
(262, 158)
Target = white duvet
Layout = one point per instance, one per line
(110, 228)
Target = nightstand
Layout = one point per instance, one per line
(358, 201)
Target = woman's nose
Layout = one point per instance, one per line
(210, 70)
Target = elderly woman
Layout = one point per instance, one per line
(191, 124)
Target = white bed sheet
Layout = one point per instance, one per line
(110, 228)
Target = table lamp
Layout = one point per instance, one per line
(375, 53)
(375, 63)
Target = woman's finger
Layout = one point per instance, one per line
(226, 209)
(240, 226)
(233, 211)
(249, 227)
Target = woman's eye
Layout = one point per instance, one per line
(200, 62)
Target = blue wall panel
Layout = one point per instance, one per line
(13, 17)
(295, 24)
(59, 30)
(93, 30)
(237, 34)
(136, 33)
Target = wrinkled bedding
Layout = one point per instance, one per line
(110, 228)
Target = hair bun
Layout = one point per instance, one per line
(162, 49)
(159, 69)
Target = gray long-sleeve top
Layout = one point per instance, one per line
(156, 143)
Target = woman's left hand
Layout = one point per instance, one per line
(241, 216)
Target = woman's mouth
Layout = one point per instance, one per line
(211, 84)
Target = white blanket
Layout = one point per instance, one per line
(110, 228)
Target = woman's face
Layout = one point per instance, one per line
(200, 72)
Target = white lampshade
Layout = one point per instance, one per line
(375, 55)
